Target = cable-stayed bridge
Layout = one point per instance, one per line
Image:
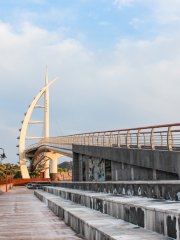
(153, 150)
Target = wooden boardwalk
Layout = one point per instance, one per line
(23, 216)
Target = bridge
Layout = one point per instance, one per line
(146, 153)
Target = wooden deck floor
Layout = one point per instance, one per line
(23, 216)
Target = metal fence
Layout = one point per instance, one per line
(162, 137)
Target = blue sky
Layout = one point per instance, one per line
(98, 24)
(117, 62)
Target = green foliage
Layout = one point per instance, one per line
(67, 165)
(17, 175)
(35, 173)
(2, 177)
(11, 169)
(62, 169)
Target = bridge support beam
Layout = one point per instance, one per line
(46, 166)
(53, 165)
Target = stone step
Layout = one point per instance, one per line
(156, 215)
(94, 225)
(158, 189)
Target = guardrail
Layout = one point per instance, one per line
(162, 137)
(21, 182)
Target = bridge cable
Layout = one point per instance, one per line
(56, 121)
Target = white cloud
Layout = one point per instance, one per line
(36, 1)
(136, 22)
(122, 3)
(103, 23)
(164, 11)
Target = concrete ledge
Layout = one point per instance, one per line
(159, 216)
(165, 189)
(93, 224)
(3, 188)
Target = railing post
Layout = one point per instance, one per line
(82, 139)
(119, 139)
(127, 139)
(85, 139)
(98, 139)
(144, 139)
(152, 139)
(110, 140)
(172, 140)
(138, 139)
(89, 140)
(161, 139)
(93, 139)
(78, 140)
(169, 139)
(6, 180)
(104, 139)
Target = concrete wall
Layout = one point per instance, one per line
(130, 164)
(3, 188)
(169, 190)
(139, 211)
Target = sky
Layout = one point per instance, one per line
(118, 63)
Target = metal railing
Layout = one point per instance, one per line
(162, 137)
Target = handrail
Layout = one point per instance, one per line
(165, 139)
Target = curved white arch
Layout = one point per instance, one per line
(22, 159)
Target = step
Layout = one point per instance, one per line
(158, 189)
(94, 225)
(156, 215)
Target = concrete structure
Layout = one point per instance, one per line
(157, 216)
(96, 163)
(101, 216)
(166, 189)
(3, 187)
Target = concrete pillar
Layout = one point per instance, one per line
(75, 170)
(87, 167)
(132, 174)
(96, 161)
(46, 172)
(80, 168)
(53, 165)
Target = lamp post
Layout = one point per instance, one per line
(6, 178)
(11, 176)
(2, 156)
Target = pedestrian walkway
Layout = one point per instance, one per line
(23, 216)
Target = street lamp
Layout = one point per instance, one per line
(11, 176)
(2, 156)
(6, 179)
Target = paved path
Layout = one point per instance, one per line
(23, 216)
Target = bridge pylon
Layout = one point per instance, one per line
(22, 138)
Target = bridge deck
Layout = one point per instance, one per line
(23, 216)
